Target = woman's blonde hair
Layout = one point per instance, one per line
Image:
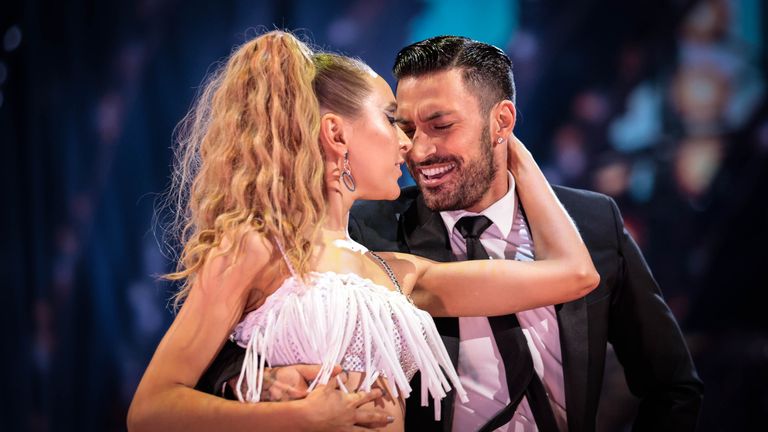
(248, 157)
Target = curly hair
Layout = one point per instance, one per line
(248, 156)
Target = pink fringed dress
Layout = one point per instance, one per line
(333, 318)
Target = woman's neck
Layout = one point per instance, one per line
(336, 216)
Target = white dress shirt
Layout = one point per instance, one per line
(481, 369)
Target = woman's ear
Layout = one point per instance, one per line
(332, 131)
(503, 117)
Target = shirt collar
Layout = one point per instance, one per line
(501, 213)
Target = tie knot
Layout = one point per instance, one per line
(473, 226)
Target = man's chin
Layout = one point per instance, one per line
(442, 200)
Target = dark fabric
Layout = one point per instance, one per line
(512, 345)
(227, 365)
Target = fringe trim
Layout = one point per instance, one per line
(315, 325)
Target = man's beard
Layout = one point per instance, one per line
(471, 179)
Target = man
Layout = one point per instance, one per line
(446, 89)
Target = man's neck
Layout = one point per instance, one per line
(499, 187)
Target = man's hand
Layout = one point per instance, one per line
(330, 409)
(287, 383)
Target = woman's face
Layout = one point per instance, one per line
(377, 146)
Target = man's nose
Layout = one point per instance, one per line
(421, 148)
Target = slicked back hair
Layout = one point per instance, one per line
(486, 69)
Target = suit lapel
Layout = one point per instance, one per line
(424, 232)
(573, 323)
(574, 331)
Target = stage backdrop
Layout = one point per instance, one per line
(659, 104)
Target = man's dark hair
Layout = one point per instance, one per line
(487, 70)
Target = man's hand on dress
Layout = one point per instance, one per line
(286, 383)
(336, 409)
(331, 409)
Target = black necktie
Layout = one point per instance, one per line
(521, 378)
(471, 227)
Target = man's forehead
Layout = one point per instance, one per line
(429, 83)
(426, 108)
(428, 94)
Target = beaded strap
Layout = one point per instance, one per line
(390, 273)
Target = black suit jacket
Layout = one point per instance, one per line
(626, 309)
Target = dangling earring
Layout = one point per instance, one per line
(346, 175)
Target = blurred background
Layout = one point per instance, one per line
(660, 104)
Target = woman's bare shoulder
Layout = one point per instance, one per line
(238, 260)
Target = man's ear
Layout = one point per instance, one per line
(503, 117)
(332, 137)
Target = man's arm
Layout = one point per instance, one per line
(225, 366)
(649, 344)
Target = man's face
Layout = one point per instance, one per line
(451, 159)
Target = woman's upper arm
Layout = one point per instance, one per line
(409, 270)
(497, 287)
(211, 310)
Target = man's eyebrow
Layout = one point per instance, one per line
(437, 114)
(433, 116)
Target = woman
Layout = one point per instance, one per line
(281, 144)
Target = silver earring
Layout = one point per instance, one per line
(500, 140)
(346, 175)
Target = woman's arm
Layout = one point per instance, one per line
(165, 398)
(563, 271)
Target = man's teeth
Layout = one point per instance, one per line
(430, 172)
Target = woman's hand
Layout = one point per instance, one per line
(516, 153)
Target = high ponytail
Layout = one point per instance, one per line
(248, 157)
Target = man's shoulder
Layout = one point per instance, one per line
(595, 214)
(577, 196)
(582, 203)
(365, 209)
(375, 223)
